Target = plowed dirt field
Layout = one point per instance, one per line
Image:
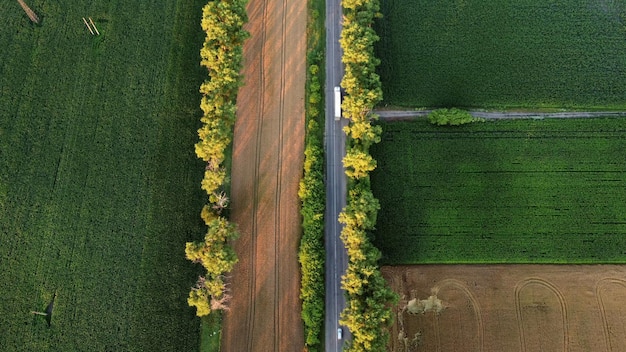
(495, 308)
(268, 153)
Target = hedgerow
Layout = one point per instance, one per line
(312, 190)
(222, 21)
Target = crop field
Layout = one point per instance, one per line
(513, 191)
(493, 308)
(503, 53)
(99, 186)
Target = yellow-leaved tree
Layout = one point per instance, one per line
(221, 54)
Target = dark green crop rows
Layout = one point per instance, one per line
(98, 181)
(515, 191)
(503, 53)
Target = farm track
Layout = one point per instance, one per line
(268, 151)
(403, 115)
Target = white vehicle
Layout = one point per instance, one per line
(337, 103)
(339, 334)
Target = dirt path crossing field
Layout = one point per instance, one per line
(404, 115)
(268, 152)
(493, 308)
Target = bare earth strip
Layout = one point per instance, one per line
(495, 308)
(268, 150)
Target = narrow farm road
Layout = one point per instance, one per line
(391, 115)
(268, 152)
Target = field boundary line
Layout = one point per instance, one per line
(605, 323)
(557, 293)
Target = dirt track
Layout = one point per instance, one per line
(407, 115)
(268, 153)
(575, 308)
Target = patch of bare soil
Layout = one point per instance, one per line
(268, 150)
(509, 308)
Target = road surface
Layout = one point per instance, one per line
(335, 143)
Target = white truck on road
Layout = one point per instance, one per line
(337, 103)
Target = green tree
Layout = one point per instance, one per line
(452, 117)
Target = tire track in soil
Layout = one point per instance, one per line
(557, 293)
(475, 306)
(279, 168)
(257, 166)
(601, 305)
(256, 199)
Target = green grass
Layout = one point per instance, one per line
(99, 186)
(515, 191)
(210, 332)
(503, 53)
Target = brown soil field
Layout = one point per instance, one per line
(505, 308)
(268, 152)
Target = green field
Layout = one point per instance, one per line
(515, 191)
(99, 185)
(504, 53)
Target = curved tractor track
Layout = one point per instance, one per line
(268, 151)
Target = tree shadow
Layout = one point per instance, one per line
(48, 312)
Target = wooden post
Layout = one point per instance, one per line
(88, 27)
(94, 26)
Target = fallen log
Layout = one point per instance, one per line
(30, 13)
(88, 27)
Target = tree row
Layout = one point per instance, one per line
(312, 193)
(221, 54)
(368, 313)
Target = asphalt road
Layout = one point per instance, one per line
(335, 147)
